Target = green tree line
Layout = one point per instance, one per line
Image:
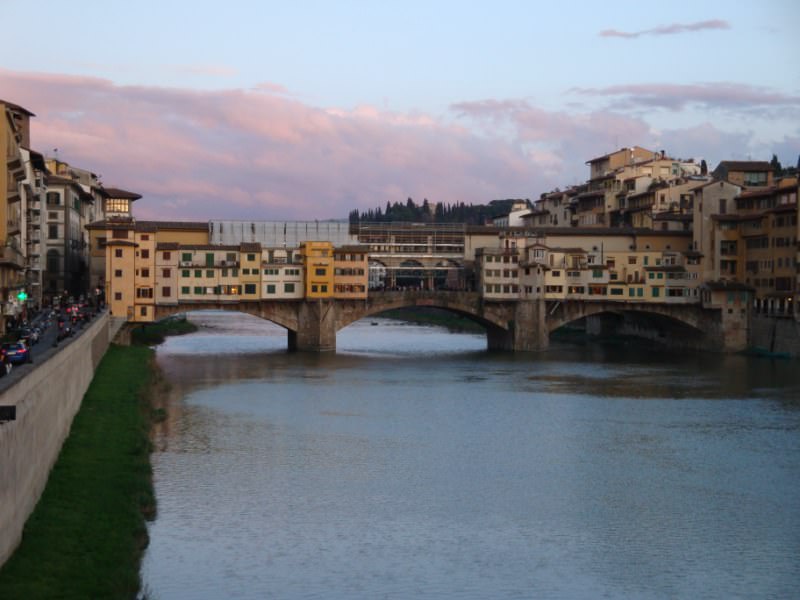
(459, 212)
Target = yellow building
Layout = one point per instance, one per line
(318, 268)
(134, 281)
(350, 272)
(14, 136)
(281, 274)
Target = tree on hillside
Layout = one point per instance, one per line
(777, 169)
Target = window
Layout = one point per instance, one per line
(186, 256)
(166, 255)
(320, 272)
(198, 273)
(52, 232)
(144, 292)
(288, 288)
(209, 259)
(120, 234)
(251, 257)
(145, 253)
(166, 273)
(145, 272)
(323, 289)
(145, 237)
(118, 273)
(53, 199)
(118, 252)
(314, 288)
(656, 292)
(185, 289)
(245, 271)
(249, 288)
(210, 273)
(166, 291)
(53, 261)
(116, 205)
(199, 290)
(271, 288)
(117, 295)
(185, 273)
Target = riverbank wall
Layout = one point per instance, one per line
(775, 336)
(46, 401)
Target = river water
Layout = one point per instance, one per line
(415, 464)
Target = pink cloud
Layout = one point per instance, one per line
(668, 29)
(246, 154)
(726, 95)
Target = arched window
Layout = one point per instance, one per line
(53, 261)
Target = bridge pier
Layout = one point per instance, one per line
(316, 330)
(527, 331)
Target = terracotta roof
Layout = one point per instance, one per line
(745, 165)
(17, 107)
(209, 247)
(250, 247)
(113, 242)
(122, 194)
(190, 225)
(758, 192)
(167, 246)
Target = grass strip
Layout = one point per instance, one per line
(86, 536)
(152, 334)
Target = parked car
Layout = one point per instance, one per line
(5, 363)
(18, 353)
(27, 335)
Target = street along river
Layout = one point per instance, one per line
(415, 464)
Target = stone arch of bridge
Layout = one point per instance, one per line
(272, 312)
(490, 320)
(685, 318)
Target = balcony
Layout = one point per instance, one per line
(10, 256)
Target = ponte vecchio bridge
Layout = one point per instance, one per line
(521, 325)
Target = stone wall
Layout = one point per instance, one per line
(779, 335)
(47, 399)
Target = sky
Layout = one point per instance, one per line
(307, 110)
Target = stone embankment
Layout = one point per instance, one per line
(46, 399)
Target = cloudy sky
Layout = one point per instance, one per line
(306, 110)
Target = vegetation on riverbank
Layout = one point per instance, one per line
(86, 536)
(153, 334)
(434, 316)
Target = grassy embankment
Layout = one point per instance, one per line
(86, 536)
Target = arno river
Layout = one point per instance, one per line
(414, 464)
